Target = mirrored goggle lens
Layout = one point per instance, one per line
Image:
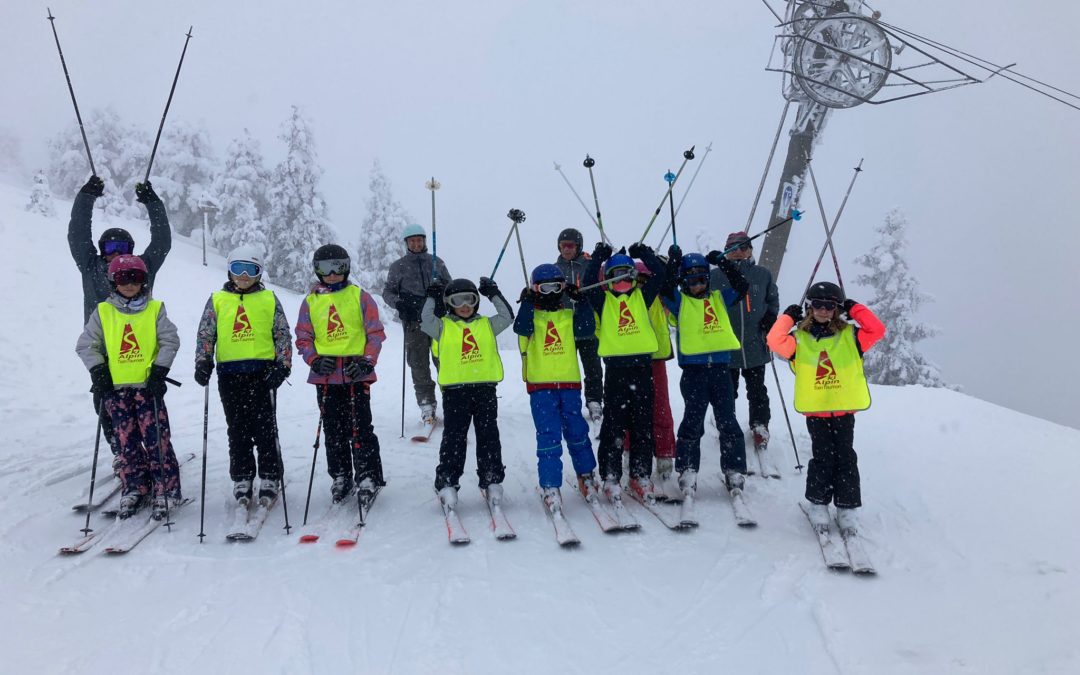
(461, 299)
(325, 267)
(241, 268)
(121, 247)
(129, 277)
(823, 304)
(548, 287)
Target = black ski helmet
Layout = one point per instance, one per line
(115, 234)
(826, 290)
(460, 286)
(331, 252)
(571, 234)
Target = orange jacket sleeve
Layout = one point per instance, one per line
(870, 327)
(780, 339)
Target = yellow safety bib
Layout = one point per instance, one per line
(467, 353)
(131, 343)
(829, 374)
(551, 351)
(625, 328)
(338, 322)
(658, 317)
(245, 325)
(704, 326)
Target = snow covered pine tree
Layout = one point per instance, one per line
(380, 233)
(41, 199)
(241, 194)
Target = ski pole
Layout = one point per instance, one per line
(93, 469)
(161, 464)
(693, 178)
(825, 224)
(580, 200)
(167, 104)
(503, 249)
(432, 185)
(281, 462)
(518, 216)
(205, 434)
(670, 178)
(783, 406)
(606, 281)
(832, 229)
(795, 215)
(589, 163)
(403, 350)
(71, 90)
(311, 478)
(687, 156)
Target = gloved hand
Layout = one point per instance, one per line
(601, 253)
(324, 365)
(674, 255)
(714, 257)
(640, 251)
(276, 374)
(144, 193)
(574, 293)
(795, 312)
(100, 379)
(527, 295)
(356, 369)
(435, 290)
(155, 384)
(95, 187)
(767, 322)
(488, 288)
(848, 305)
(203, 368)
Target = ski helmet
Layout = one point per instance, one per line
(547, 272)
(462, 288)
(126, 263)
(413, 230)
(642, 269)
(620, 263)
(117, 234)
(571, 234)
(826, 290)
(694, 267)
(242, 258)
(334, 260)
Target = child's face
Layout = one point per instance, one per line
(330, 279)
(823, 315)
(465, 311)
(129, 290)
(243, 282)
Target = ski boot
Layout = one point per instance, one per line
(242, 492)
(552, 499)
(268, 491)
(642, 488)
(734, 481)
(448, 497)
(847, 521)
(760, 432)
(341, 489)
(427, 413)
(596, 411)
(162, 505)
(366, 492)
(588, 486)
(819, 517)
(613, 490)
(493, 493)
(129, 504)
(688, 483)
(667, 487)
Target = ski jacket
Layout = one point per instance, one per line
(206, 338)
(94, 269)
(407, 281)
(373, 329)
(867, 331)
(649, 290)
(91, 343)
(754, 315)
(584, 327)
(432, 325)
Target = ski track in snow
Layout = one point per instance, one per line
(970, 579)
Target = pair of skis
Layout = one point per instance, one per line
(686, 516)
(334, 515)
(459, 536)
(246, 524)
(841, 550)
(121, 535)
(765, 465)
(425, 433)
(104, 496)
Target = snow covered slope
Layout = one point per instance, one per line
(970, 517)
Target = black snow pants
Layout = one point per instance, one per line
(757, 396)
(475, 403)
(351, 443)
(249, 414)
(833, 471)
(628, 406)
(592, 370)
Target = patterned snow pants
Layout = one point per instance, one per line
(132, 412)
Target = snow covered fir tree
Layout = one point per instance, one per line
(240, 192)
(183, 170)
(896, 360)
(41, 201)
(380, 233)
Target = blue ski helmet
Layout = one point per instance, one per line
(617, 264)
(547, 272)
(413, 230)
(693, 264)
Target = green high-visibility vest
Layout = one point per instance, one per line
(245, 325)
(625, 328)
(551, 351)
(131, 343)
(829, 374)
(704, 326)
(658, 317)
(467, 353)
(338, 322)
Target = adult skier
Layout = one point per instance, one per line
(244, 326)
(406, 287)
(572, 262)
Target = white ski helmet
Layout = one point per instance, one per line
(413, 230)
(246, 254)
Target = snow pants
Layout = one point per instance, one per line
(663, 426)
(462, 405)
(252, 423)
(418, 356)
(628, 407)
(592, 370)
(351, 443)
(140, 469)
(702, 386)
(557, 413)
(106, 425)
(832, 474)
(757, 396)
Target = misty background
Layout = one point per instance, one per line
(486, 96)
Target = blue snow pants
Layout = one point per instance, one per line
(557, 413)
(702, 386)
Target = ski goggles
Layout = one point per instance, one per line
(327, 267)
(696, 276)
(823, 304)
(461, 299)
(550, 287)
(125, 277)
(241, 268)
(116, 247)
(621, 271)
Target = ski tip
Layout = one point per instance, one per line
(345, 543)
(309, 538)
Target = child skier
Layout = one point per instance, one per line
(549, 333)
(339, 335)
(244, 324)
(830, 386)
(627, 342)
(705, 340)
(469, 370)
(128, 345)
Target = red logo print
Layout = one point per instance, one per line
(129, 346)
(470, 350)
(241, 329)
(335, 328)
(826, 373)
(553, 343)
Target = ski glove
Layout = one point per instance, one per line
(674, 260)
(324, 365)
(849, 304)
(100, 379)
(767, 322)
(144, 193)
(731, 271)
(574, 293)
(714, 257)
(356, 369)
(95, 187)
(601, 253)
(795, 312)
(488, 288)
(527, 295)
(435, 291)
(276, 374)
(155, 384)
(640, 251)
(203, 368)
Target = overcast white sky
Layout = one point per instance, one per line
(486, 95)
